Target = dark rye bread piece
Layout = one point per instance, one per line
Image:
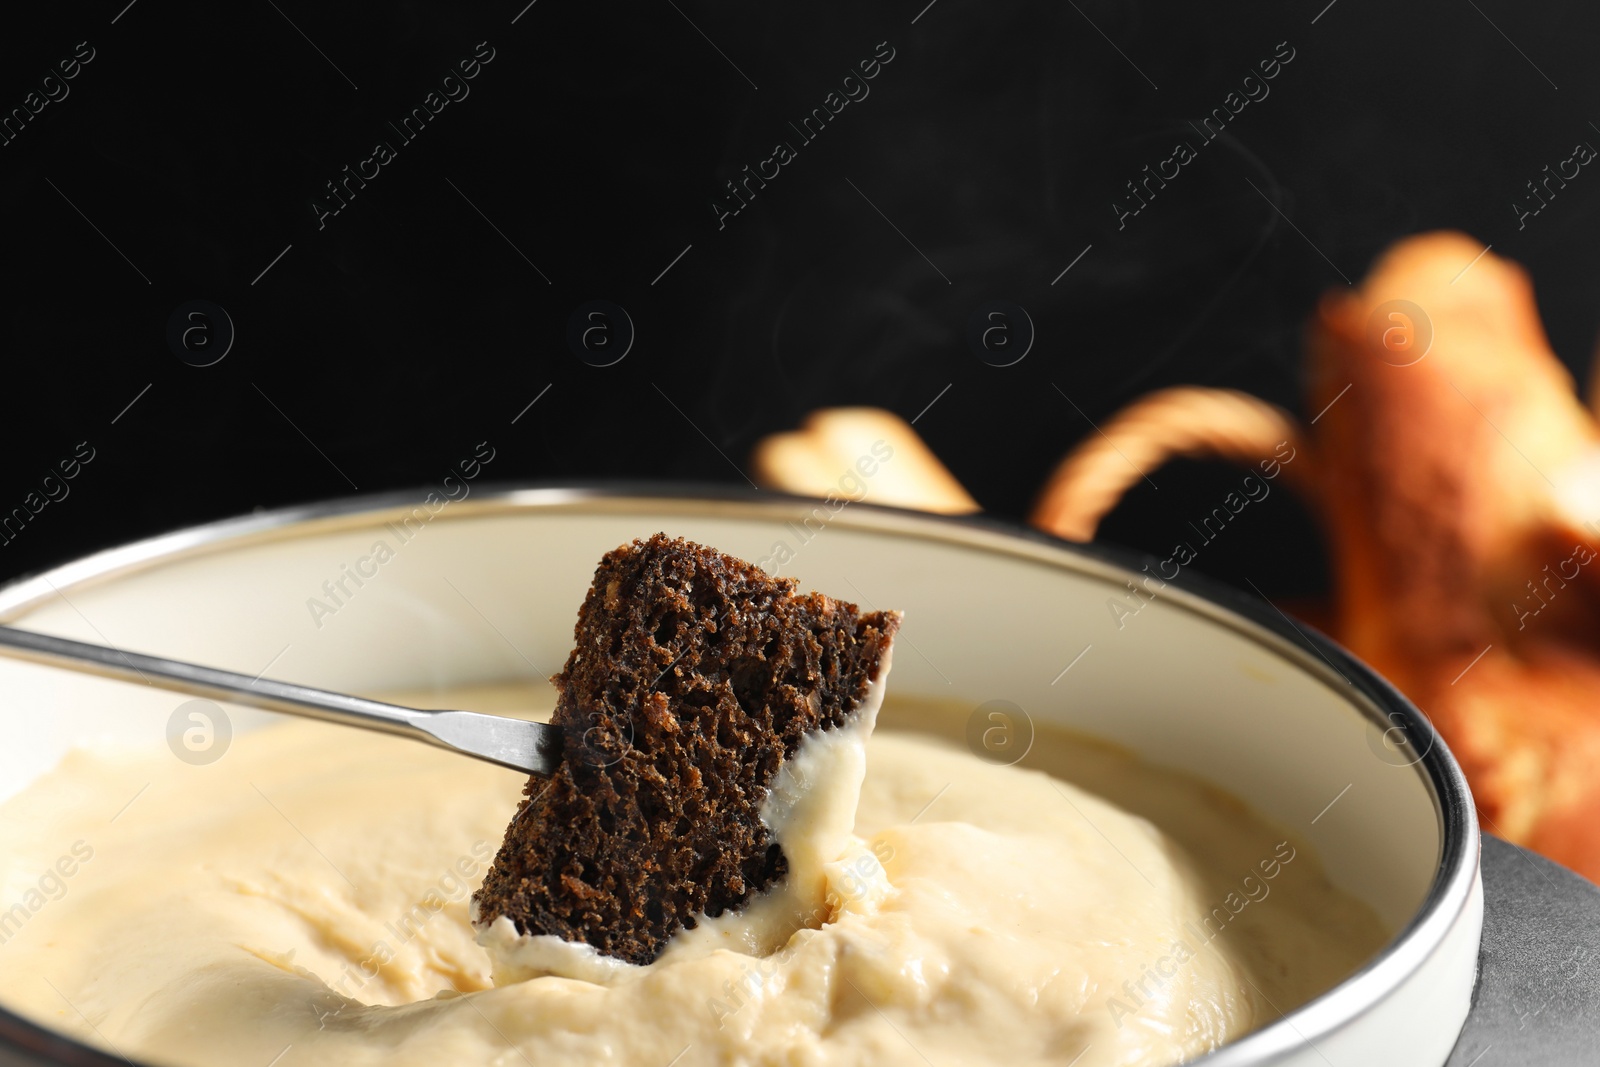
(695, 676)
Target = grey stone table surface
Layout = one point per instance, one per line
(1537, 1000)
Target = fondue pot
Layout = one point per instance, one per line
(1202, 679)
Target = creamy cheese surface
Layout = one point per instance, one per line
(306, 898)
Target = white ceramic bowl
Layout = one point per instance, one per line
(1202, 679)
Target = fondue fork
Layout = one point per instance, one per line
(531, 747)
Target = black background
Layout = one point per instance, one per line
(428, 313)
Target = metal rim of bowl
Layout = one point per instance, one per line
(1254, 618)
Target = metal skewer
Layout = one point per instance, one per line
(531, 747)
